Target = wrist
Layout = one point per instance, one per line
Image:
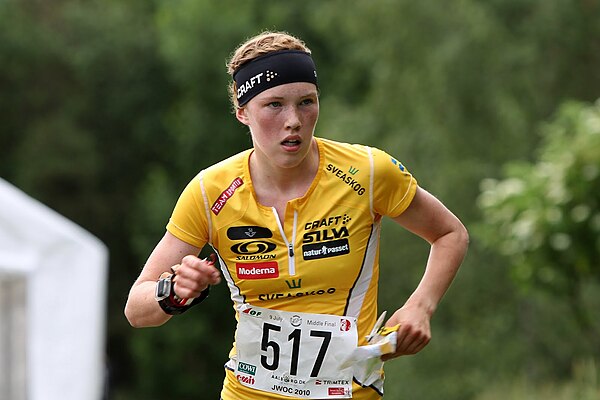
(426, 305)
(169, 301)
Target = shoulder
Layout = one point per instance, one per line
(233, 167)
(341, 153)
(359, 154)
(333, 145)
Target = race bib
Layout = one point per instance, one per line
(295, 354)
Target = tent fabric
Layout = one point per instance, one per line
(12, 340)
(65, 269)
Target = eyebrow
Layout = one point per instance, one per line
(274, 97)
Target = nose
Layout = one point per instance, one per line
(293, 121)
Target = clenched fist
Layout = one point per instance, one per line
(414, 332)
(194, 275)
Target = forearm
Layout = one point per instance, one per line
(445, 258)
(142, 309)
(431, 220)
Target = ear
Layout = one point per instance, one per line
(241, 115)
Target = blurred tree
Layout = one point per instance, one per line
(84, 93)
(454, 92)
(543, 216)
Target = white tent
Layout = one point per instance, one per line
(53, 280)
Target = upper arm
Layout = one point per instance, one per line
(168, 252)
(393, 185)
(428, 218)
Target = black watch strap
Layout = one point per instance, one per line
(169, 301)
(172, 306)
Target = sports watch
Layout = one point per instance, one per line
(169, 301)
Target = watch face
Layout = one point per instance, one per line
(163, 289)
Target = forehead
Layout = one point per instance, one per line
(289, 90)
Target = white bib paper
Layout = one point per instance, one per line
(295, 354)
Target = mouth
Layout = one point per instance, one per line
(291, 142)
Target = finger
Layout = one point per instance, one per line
(401, 340)
(213, 273)
(417, 345)
(400, 351)
(185, 272)
(417, 341)
(191, 261)
(404, 337)
(411, 341)
(195, 280)
(188, 289)
(205, 266)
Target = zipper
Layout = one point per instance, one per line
(289, 245)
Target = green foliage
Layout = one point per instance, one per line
(544, 216)
(584, 386)
(188, 350)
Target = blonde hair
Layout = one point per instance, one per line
(263, 43)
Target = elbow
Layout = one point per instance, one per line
(134, 323)
(463, 237)
(131, 318)
(143, 319)
(464, 234)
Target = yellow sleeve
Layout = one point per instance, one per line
(393, 186)
(188, 221)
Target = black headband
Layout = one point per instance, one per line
(273, 69)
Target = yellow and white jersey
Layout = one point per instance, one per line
(323, 258)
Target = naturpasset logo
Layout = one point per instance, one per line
(327, 237)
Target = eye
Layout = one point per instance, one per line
(307, 102)
(274, 104)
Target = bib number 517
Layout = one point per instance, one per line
(272, 363)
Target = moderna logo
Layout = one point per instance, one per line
(265, 270)
(226, 195)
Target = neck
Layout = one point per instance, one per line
(284, 183)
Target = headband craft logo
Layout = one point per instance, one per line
(255, 80)
(273, 69)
